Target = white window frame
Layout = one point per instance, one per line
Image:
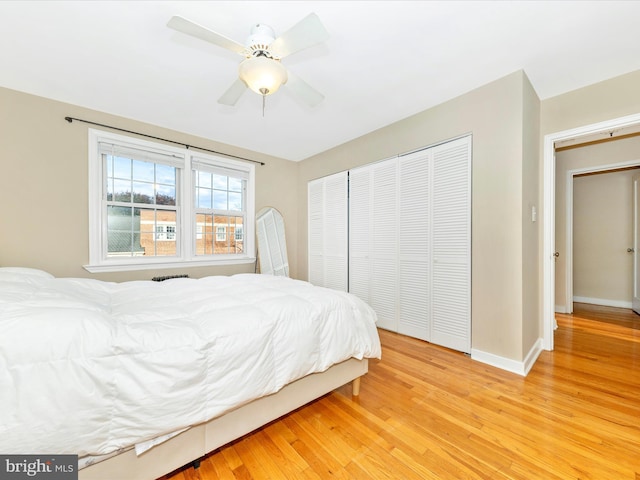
(185, 244)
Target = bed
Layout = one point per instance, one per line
(139, 378)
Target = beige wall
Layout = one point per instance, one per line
(44, 187)
(531, 292)
(602, 232)
(599, 102)
(497, 115)
(604, 101)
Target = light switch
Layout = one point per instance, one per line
(534, 214)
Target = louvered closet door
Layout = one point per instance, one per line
(414, 245)
(384, 243)
(451, 244)
(409, 241)
(315, 212)
(327, 213)
(360, 216)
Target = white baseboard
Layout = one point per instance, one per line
(561, 309)
(603, 301)
(514, 366)
(533, 355)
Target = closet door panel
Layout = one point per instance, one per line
(328, 230)
(414, 302)
(451, 243)
(360, 214)
(336, 231)
(384, 293)
(414, 245)
(451, 325)
(315, 201)
(384, 243)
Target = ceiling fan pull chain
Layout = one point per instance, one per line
(263, 102)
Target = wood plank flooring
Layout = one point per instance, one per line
(425, 412)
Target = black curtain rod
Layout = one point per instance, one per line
(71, 119)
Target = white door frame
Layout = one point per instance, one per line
(549, 204)
(635, 298)
(569, 220)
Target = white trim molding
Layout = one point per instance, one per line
(604, 302)
(513, 366)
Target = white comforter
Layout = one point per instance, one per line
(88, 367)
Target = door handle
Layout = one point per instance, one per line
(556, 254)
(630, 250)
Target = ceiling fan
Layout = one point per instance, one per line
(261, 70)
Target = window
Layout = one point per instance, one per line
(219, 209)
(140, 199)
(152, 205)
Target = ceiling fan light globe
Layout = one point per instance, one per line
(263, 74)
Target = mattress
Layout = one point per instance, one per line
(90, 367)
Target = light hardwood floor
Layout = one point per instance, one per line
(425, 412)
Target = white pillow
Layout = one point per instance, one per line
(22, 274)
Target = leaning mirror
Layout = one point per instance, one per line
(272, 247)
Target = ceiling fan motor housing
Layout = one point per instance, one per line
(258, 42)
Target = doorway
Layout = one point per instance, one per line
(549, 182)
(603, 250)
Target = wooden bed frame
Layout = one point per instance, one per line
(202, 439)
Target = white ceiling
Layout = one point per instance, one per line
(384, 60)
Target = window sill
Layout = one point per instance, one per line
(155, 265)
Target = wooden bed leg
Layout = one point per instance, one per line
(356, 387)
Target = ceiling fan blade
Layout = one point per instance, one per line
(233, 93)
(303, 90)
(190, 28)
(307, 32)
